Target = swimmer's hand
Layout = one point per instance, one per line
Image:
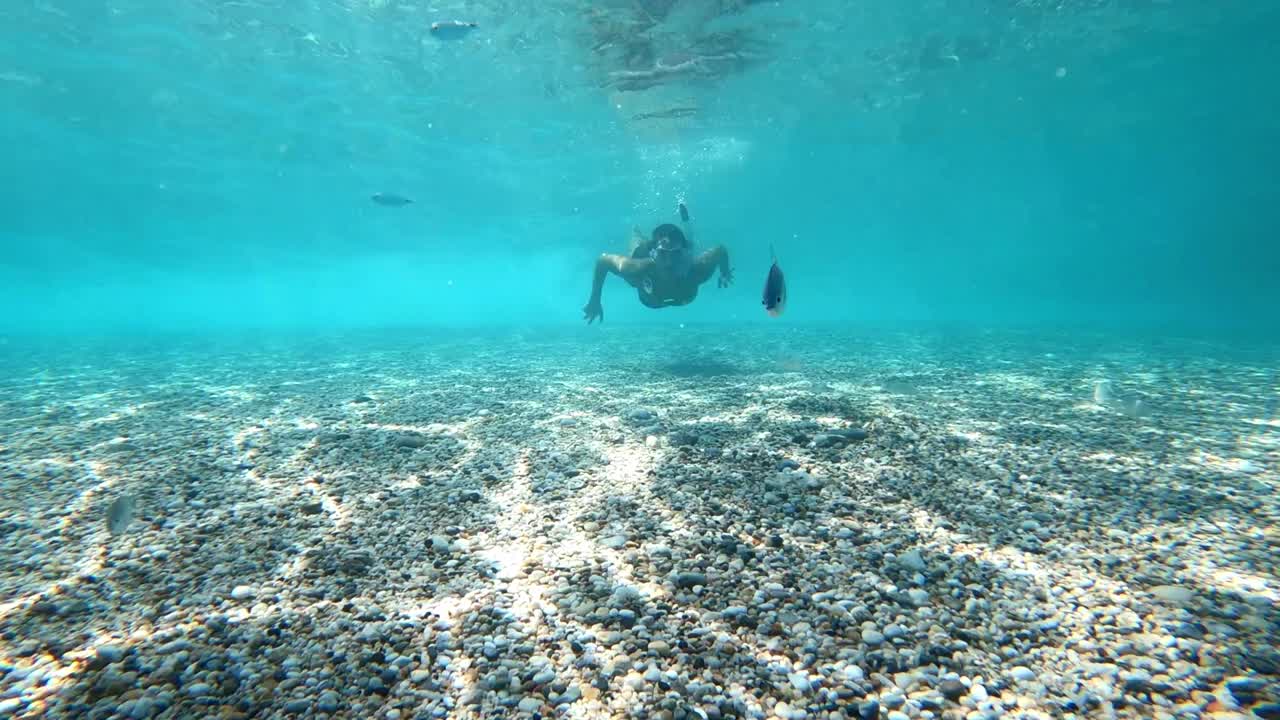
(592, 311)
(726, 277)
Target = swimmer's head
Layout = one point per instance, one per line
(670, 237)
(671, 249)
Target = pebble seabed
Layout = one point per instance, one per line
(625, 523)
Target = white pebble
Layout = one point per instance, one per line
(241, 592)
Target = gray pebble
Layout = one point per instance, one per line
(614, 542)
(572, 695)
(110, 653)
(873, 638)
(142, 708)
(912, 560)
(297, 707)
(952, 689)
(328, 702)
(690, 579)
(175, 646)
(198, 689)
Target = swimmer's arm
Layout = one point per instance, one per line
(709, 261)
(627, 268)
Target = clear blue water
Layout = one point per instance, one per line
(187, 166)
(271, 449)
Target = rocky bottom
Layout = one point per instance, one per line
(656, 524)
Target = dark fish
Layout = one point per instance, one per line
(451, 29)
(684, 212)
(390, 200)
(120, 514)
(775, 290)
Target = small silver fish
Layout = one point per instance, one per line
(775, 289)
(120, 514)
(452, 29)
(390, 200)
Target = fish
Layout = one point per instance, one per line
(390, 200)
(120, 514)
(452, 29)
(775, 289)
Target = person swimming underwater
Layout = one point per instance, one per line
(663, 269)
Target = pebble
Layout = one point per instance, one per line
(139, 709)
(690, 579)
(328, 702)
(10, 706)
(912, 560)
(109, 653)
(1022, 674)
(892, 632)
(872, 638)
(297, 707)
(1245, 688)
(572, 695)
(918, 597)
(614, 542)
(241, 592)
(529, 704)
(1176, 594)
(1269, 711)
(174, 646)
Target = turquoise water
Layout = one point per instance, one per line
(270, 448)
(209, 164)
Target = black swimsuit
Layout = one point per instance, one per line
(648, 299)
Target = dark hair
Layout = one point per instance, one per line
(671, 231)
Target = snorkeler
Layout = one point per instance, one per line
(662, 268)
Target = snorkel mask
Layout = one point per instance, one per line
(671, 250)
